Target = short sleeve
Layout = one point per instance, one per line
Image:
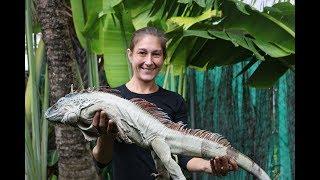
(181, 113)
(183, 161)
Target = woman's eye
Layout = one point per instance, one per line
(156, 55)
(142, 53)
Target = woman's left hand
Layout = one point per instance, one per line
(220, 166)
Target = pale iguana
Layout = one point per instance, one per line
(143, 123)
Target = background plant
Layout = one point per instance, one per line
(204, 36)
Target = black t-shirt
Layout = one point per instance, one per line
(130, 161)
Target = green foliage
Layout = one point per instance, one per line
(36, 133)
(78, 18)
(187, 22)
(39, 67)
(267, 73)
(32, 140)
(218, 34)
(283, 12)
(86, 23)
(118, 33)
(52, 157)
(106, 28)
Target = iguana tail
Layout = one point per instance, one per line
(198, 146)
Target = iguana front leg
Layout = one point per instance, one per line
(162, 173)
(162, 150)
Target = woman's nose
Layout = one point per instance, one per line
(148, 60)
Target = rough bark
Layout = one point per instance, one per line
(75, 160)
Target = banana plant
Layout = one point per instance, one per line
(237, 32)
(105, 27)
(219, 33)
(222, 33)
(36, 102)
(35, 127)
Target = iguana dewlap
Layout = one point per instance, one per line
(144, 124)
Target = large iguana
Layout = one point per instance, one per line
(143, 123)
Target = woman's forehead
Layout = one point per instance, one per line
(147, 42)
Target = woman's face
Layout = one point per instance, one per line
(146, 58)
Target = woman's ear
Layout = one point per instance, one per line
(129, 54)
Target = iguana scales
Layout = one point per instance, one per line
(143, 123)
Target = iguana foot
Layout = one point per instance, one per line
(160, 176)
(156, 174)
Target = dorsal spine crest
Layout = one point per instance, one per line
(156, 112)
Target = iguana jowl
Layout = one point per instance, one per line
(144, 124)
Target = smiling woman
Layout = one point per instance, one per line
(146, 55)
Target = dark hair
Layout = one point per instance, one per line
(149, 31)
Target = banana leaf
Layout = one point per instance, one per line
(230, 33)
(260, 25)
(187, 22)
(117, 31)
(268, 72)
(39, 58)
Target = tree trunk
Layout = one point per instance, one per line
(75, 160)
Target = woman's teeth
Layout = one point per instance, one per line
(148, 69)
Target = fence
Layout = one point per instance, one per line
(258, 122)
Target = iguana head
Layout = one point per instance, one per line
(67, 109)
(78, 110)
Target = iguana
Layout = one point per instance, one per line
(143, 123)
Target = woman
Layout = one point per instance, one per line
(146, 54)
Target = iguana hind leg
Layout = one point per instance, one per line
(162, 173)
(162, 150)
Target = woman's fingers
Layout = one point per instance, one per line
(102, 122)
(234, 165)
(220, 166)
(96, 119)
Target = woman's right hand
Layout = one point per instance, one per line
(102, 151)
(104, 124)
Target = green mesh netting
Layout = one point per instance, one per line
(258, 122)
